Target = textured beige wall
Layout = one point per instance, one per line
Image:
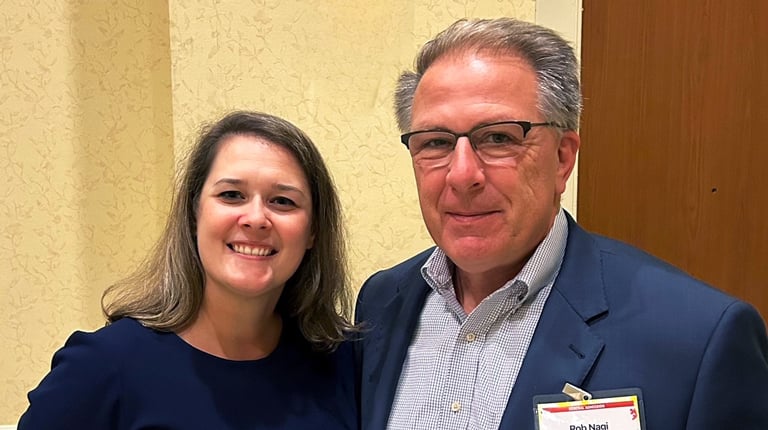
(565, 17)
(330, 67)
(86, 155)
(92, 89)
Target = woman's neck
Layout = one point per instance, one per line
(234, 332)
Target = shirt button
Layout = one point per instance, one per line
(455, 406)
(471, 337)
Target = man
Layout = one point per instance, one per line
(516, 300)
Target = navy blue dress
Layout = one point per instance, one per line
(126, 376)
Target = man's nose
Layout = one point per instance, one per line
(465, 170)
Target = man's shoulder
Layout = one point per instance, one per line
(386, 283)
(403, 270)
(636, 292)
(626, 266)
(617, 255)
(613, 255)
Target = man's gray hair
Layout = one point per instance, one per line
(552, 58)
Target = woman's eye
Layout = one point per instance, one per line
(283, 201)
(231, 195)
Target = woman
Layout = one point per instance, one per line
(232, 321)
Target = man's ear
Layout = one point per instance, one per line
(570, 141)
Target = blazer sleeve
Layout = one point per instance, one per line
(732, 385)
(80, 391)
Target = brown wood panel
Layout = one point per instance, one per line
(674, 155)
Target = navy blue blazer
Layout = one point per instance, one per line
(616, 318)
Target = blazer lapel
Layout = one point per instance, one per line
(389, 347)
(563, 348)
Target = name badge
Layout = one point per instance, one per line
(599, 410)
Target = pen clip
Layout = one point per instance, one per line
(575, 392)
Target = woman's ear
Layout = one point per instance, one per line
(311, 241)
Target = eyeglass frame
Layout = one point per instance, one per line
(525, 125)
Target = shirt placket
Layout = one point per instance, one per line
(468, 342)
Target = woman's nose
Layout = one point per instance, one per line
(255, 216)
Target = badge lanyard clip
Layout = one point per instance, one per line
(575, 392)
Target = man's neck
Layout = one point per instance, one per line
(472, 288)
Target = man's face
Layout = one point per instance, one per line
(489, 218)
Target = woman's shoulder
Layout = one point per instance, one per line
(117, 338)
(83, 385)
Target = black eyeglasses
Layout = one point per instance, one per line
(493, 143)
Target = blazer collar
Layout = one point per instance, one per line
(564, 348)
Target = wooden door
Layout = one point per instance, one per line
(674, 155)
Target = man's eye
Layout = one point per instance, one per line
(498, 139)
(436, 144)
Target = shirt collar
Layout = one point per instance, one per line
(539, 271)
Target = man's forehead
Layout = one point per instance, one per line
(477, 76)
(463, 53)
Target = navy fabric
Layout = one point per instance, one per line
(126, 376)
(616, 318)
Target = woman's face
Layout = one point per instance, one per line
(254, 219)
